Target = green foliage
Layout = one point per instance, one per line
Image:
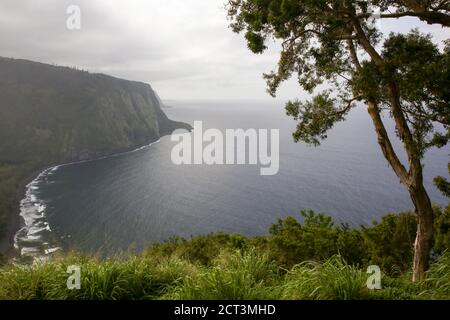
(317, 238)
(135, 278)
(387, 243)
(312, 259)
(390, 242)
(200, 249)
(442, 184)
(330, 280)
(314, 118)
(255, 42)
(327, 42)
(421, 73)
(437, 283)
(442, 230)
(233, 275)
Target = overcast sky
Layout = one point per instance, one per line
(183, 48)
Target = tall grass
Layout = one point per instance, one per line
(232, 274)
(333, 279)
(134, 278)
(437, 283)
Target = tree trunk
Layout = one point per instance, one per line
(413, 180)
(424, 237)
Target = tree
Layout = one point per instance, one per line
(338, 44)
(442, 184)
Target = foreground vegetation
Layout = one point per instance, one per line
(311, 259)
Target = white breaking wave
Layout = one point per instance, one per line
(34, 239)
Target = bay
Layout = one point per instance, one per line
(133, 200)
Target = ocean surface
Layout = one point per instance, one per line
(129, 201)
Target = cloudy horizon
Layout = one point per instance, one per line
(184, 49)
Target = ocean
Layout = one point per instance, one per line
(130, 201)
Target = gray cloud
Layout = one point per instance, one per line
(184, 49)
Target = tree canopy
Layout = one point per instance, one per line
(320, 45)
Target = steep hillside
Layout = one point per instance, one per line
(52, 115)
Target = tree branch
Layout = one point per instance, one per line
(386, 146)
(353, 54)
(394, 98)
(434, 16)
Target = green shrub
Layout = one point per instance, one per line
(390, 242)
(199, 249)
(442, 229)
(317, 239)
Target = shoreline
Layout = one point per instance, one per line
(15, 221)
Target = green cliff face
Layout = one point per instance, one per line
(61, 114)
(52, 114)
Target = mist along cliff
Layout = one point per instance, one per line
(51, 115)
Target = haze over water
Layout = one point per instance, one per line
(142, 197)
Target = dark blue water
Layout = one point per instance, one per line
(139, 198)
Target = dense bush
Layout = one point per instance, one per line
(442, 229)
(390, 242)
(387, 243)
(199, 249)
(292, 242)
(317, 238)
